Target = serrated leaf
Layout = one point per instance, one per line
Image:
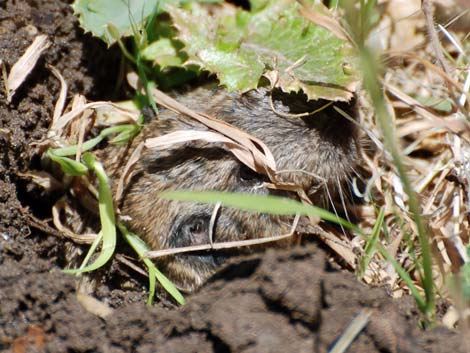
(240, 46)
(237, 69)
(125, 15)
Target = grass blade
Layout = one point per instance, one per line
(88, 145)
(258, 203)
(106, 209)
(141, 248)
(371, 244)
(92, 250)
(68, 166)
(422, 304)
(385, 122)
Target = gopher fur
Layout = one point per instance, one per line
(319, 152)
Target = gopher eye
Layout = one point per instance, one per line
(247, 174)
(190, 230)
(196, 227)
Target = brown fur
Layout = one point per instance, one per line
(323, 144)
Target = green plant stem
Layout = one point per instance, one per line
(91, 250)
(145, 82)
(385, 123)
(125, 52)
(71, 150)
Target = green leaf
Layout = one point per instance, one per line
(442, 104)
(165, 282)
(69, 166)
(164, 53)
(141, 248)
(257, 203)
(88, 145)
(152, 285)
(125, 16)
(276, 40)
(126, 134)
(107, 218)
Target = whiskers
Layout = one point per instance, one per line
(332, 203)
(341, 197)
(338, 196)
(334, 193)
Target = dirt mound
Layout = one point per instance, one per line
(278, 301)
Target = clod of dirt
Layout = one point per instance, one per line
(276, 302)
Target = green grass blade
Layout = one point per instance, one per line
(258, 203)
(88, 145)
(386, 124)
(125, 135)
(141, 248)
(165, 282)
(106, 209)
(375, 232)
(68, 166)
(145, 82)
(422, 304)
(152, 285)
(371, 243)
(92, 250)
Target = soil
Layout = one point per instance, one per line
(279, 301)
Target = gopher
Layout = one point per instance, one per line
(316, 152)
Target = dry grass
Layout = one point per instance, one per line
(434, 140)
